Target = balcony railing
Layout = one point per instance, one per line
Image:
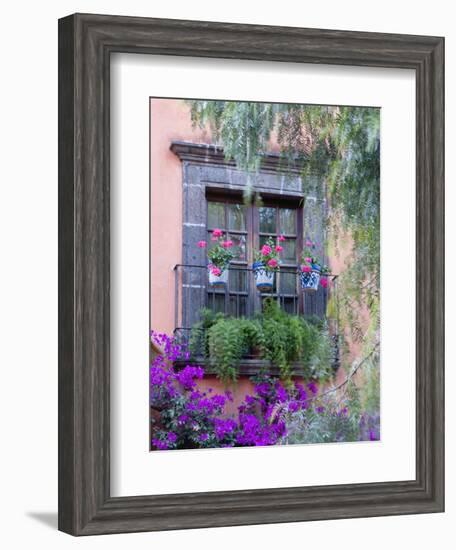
(241, 298)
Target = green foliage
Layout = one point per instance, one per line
(198, 342)
(275, 335)
(227, 345)
(290, 338)
(321, 425)
(329, 418)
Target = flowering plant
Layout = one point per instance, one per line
(325, 271)
(221, 254)
(268, 254)
(309, 257)
(185, 416)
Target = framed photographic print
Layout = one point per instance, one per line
(251, 277)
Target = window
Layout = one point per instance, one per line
(249, 227)
(231, 217)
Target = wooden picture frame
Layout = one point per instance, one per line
(85, 45)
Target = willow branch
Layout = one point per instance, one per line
(350, 376)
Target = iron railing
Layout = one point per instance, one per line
(240, 297)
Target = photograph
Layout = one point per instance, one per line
(264, 274)
(224, 245)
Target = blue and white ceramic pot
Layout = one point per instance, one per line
(310, 279)
(218, 280)
(264, 278)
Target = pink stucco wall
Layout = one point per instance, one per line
(169, 120)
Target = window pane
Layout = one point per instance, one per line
(238, 279)
(287, 282)
(238, 305)
(236, 217)
(215, 215)
(287, 221)
(216, 302)
(267, 220)
(239, 247)
(288, 253)
(290, 305)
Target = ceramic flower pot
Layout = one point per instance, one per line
(311, 278)
(218, 279)
(264, 279)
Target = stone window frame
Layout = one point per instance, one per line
(205, 170)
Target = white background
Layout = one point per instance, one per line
(133, 79)
(28, 300)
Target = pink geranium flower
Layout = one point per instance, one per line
(202, 244)
(306, 268)
(272, 262)
(324, 282)
(227, 244)
(308, 260)
(309, 243)
(279, 248)
(266, 249)
(216, 271)
(281, 238)
(217, 233)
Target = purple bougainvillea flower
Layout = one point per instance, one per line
(229, 395)
(250, 401)
(281, 392)
(312, 387)
(188, 375)
(293, 406)
(373, 436)
(263, 389)
(159, 444)
(224, 427)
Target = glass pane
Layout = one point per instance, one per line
(288, 253)
(288, 282)
(290, 305)
(236, 217)
(238, 305)
(239, 246)
(287, 221)
(215, 215)
(216, 302)
(238, 279)
(267, 219)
